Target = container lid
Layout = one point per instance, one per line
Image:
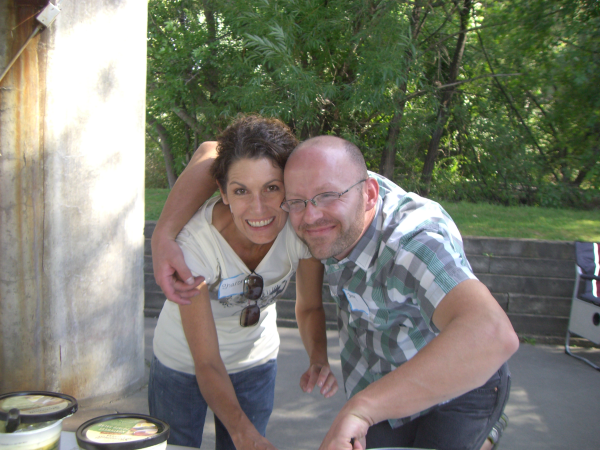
(122, 432)
(34, 407)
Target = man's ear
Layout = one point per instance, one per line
(223, 194)
(372, 193)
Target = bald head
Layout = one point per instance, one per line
(341, 149)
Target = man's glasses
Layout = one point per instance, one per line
(322, 200)
(253, 287)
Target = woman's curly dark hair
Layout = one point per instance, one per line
(252, 137)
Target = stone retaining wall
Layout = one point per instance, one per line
(532, 280)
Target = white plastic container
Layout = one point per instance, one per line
(32, 420)
(123, 432)
(45, 438)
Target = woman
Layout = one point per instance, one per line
(220, 350)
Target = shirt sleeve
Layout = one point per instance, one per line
(199, 248)
(432, 260)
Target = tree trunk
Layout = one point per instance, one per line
(444, 109)
(388, 154)
(210, 71)
(583, 171)
(433, 148)
(190, 121)
(163, 138)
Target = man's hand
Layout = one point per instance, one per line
(193, 187)
(347, 432)
(319, 375)
(170, 268)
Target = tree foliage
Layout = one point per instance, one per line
(461, 99)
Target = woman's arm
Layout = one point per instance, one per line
(193, 187)
(310, 316)
(213, 380)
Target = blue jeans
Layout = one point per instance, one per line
(175, 398)
(463, 423)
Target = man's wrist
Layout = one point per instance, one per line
(165, 231)
(361, 406)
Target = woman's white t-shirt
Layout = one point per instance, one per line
(208, 254)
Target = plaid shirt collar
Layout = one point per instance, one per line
(362, 254)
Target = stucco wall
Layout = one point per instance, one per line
(72, 118)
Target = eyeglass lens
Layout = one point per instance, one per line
(250, 315)
(253, 287)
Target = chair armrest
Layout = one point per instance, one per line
(585, 276)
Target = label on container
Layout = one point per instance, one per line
(121, 430)
(34, 404)
(27, 427)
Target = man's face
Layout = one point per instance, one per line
(334, 230)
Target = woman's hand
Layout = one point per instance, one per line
(253, 441)
(322, 376)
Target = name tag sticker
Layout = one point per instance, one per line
(356, 302)
(232, 286)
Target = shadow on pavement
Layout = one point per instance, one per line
(554, 401)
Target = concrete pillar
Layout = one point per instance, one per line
(71, 198)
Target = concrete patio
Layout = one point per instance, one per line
(554, 402)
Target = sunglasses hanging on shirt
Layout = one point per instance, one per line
(253, 288)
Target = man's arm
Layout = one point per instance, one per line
(193, 187)
(310, 316)
(476, 338)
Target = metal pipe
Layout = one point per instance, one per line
(36, 30)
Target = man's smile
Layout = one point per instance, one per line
(318, 230)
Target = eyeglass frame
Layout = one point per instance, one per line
(252, 311)
(312, 200)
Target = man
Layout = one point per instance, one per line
(424, 343)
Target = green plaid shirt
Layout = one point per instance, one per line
(388, 287)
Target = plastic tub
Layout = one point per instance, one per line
(123, 432)
(32, 420)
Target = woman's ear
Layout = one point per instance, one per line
(223, 194)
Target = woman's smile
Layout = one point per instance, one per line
(260, 223)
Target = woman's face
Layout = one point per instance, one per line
(254, 193)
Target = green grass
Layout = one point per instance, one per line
(486, 220)
(155, 199)
(525, 222)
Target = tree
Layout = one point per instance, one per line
(443, 113)
(467, 99)
(554, 105)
